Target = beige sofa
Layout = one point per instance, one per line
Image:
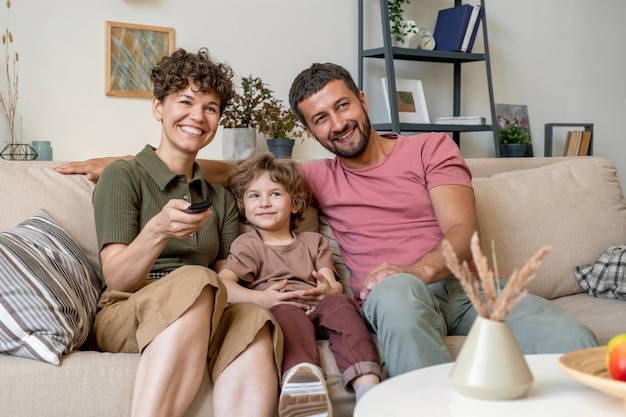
(575, 205)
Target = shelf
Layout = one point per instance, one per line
(390, 54)
(431, 127)
(425, 56)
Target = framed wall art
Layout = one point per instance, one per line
(410, 98)
(131, 52)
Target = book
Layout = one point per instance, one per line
(585, 143)
(472, 29)
(572, 143)
(451, 26)
(460, 120)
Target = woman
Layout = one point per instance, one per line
(161, 298)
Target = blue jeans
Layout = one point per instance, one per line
(410, 320)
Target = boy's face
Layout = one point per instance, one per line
(268, 206)
(189, 118)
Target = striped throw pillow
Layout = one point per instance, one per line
(48, 291)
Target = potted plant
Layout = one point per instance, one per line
(239, 118)
(401, 30)
(513, 136)
(280, 125)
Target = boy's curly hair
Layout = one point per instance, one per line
(174, 73)
(286, 172)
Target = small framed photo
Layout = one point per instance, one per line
(131, 52)
(410, 98)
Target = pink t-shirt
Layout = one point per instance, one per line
(383, 213)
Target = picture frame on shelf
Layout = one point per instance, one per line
(131, 51)
(410, 98)
(512, 112)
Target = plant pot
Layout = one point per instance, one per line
(281, 148)
(513, 150)
(491, 365)
(238, 143)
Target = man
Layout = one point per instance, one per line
(390, 201)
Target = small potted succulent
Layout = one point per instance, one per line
(513, 136)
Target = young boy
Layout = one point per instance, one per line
(274, 266)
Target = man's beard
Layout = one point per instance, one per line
(354, 149)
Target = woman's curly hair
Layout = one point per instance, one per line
(286, 172)
(175, 72)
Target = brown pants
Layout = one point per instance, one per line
(127, 322)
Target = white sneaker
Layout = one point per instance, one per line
(304, 393)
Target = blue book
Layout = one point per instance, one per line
(473, 25)
(451, 26)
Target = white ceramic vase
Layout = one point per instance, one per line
(491, 365)
(238, 143)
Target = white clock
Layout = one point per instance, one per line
(427, 40)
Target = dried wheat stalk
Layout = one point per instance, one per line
(491, 303)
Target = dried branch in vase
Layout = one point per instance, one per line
(11, 58)
(484, 293)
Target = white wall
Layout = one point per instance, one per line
(563, 58)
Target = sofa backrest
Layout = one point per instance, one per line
(576, 206)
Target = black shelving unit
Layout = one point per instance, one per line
(392, 53)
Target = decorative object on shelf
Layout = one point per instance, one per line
(254, 106)
(238, 143)
(427, 40)
(281, 148)
(491, 365)
(411, 100)
(131, 51)
(401, 30)
(513, 127)
(451, 26)
(18, 152)
(279, 124)
(43, 150)
(8, 99)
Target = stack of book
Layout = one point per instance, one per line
(577, 143)
(456, 28)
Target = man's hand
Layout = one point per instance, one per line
(92, 168)
(381, 272)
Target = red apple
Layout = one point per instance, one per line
(617, 362)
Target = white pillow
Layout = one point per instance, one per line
(48, 291)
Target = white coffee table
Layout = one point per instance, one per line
(429, 392)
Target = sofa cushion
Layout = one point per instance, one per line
(48, 291)
(576, 206)
(606, 278)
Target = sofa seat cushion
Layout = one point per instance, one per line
(576, 207)
(48, 291)
(604, 316)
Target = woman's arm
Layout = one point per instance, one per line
(215, 172)
(125, 267)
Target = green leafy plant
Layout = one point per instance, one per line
(254, 105)
(249, 98)
(278, 122)
(11, 58)
(400, 28)
(513, 131)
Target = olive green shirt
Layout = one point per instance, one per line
(130, 193)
